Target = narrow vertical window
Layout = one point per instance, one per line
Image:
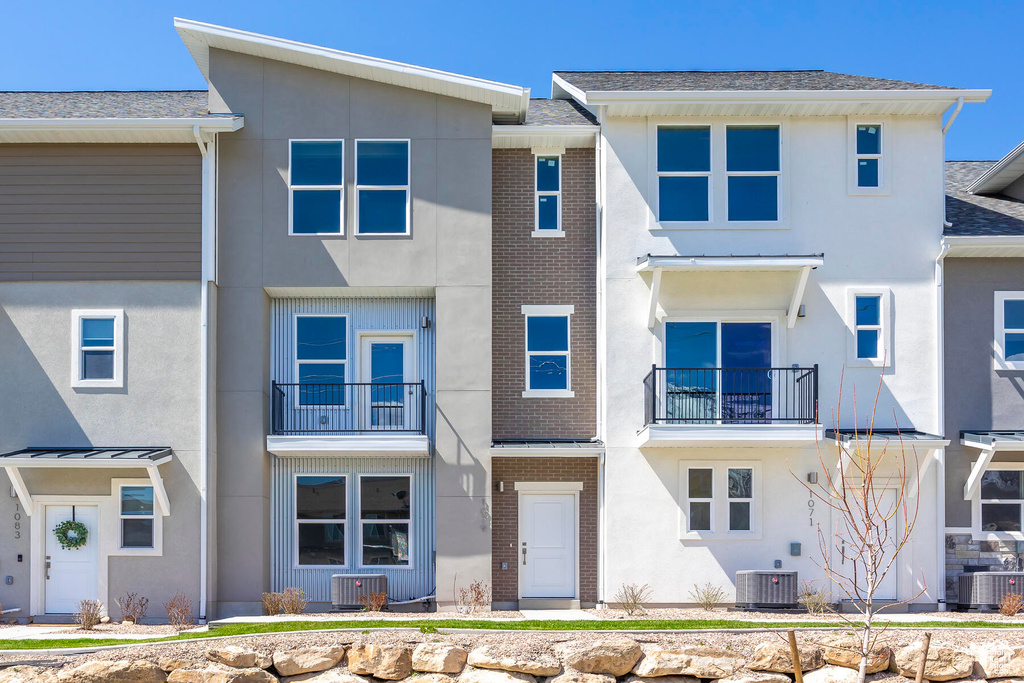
(741, 496)
(137, 516)
(753, 169)
(548, 193)
(320, 520)
(1009, 330)
(869, 155)
(684, 173)
(868, 326)
(385, 518)
(321, 354)
(97, 348)
(382, 187)
(316, 186)
(548, 365)
(700, 496)
(98, 341)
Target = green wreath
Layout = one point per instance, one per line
(71, 535)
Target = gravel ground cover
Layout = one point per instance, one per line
(743, 615)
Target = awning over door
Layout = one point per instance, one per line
(798, 264)
(891, 440)
(88, 458)
(988, 443)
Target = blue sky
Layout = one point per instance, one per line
(71, 45)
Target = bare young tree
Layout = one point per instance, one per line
(872, 493)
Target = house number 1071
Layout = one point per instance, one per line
(810, 507)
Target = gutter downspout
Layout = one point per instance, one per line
(956, 112)
(599, 149)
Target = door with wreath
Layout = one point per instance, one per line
(72, 562)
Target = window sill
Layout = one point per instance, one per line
(547, 233)
(137, 552)
(97, 384)
(1011, 536)
(316, 234)
(549, 393)
(711, 536)
(1010, 366)
(669, 226)
(868, 363)
(869, 192)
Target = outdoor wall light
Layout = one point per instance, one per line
(812, 477)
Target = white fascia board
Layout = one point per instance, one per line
(509, 135)
(758, 96)
(227, 124)
(560, 84)
(980, 246)
(891, 442)
(546, 452)
(199, 37)
(1002, 173)
(729, 263)
(348, 445)
(729, 436)
(81, 463)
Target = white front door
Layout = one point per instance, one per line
(547, 540)
(387, 394)
(70, 575)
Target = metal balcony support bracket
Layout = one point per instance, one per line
(21, 489)
(798, 296)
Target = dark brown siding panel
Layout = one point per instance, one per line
(100, 212)
(543, 271)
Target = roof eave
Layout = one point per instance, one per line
(981, 246)
(597, 97)
(990, 181)
(226, 124)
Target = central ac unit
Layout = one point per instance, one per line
(347, 588)
(765, 589)
(984, 590)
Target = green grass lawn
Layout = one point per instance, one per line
(432, 625)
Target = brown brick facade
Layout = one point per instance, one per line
(505, 531)
(543, 271)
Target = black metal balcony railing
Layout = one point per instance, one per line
(682, 396)
(350, 408)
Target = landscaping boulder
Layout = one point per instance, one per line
(362, 658)
(238, 657)
(28, 674)
(493, 676)
(774, 656)
(394, 662)
(845, 651)
(107, 671)
(335, 675)
(999, 660)
(943, 663)
(614, 657)
(701, 662)
(747, 676)
(633, 678)
(535, 664)
(439, 658)
(169, 664)
(307, 659)
(218, 673)
(832, 674)
(573, 676)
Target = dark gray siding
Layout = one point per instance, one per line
(100, 212)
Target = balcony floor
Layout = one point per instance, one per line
(379, 443)
(729, 435)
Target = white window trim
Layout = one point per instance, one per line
(884, 170)
(341, 188)
(720, 501)
(719, 200)
(885, 335)
(729, 501)
(554, 311)
(407, 187)
(77, 367)
(333, 361)
(709, 174)
(999, 361)
(539, 153)
(158, 521)
(976, 532)
(362, 522)
(296, 522)
(727, 174)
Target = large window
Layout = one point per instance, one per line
(320, 503)
(382, 187)
(1009, 330)
(1002, 494)
(719, 499)
(316, 186)
(98, 339)
(869, 155)
(321, 352)
(137, 517)
(753, 168)
(385, 519)
(548, 367)
(548, 211)
(684, 173)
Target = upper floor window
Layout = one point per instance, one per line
(316, 187)
(98, 340)
(684, 173)
(320, 504)
(548, 194)
(385, 519)
(869, 155)
(870, 326)
(868, 151)
(137, 517)
(321, 354)
(547, 351)
(753, 167)
(382, 187)
(1009, 330)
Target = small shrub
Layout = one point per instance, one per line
(1011, 604)
(179, 611)
(133, 608)
(374, 602)
(293, 600)
(816, 600)
(632, 596)
(89, 614)
(273, 604)
(469, 600)
(709, 596)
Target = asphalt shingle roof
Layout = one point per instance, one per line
(975, 214)
(544, 112)
(661, 81)
(104, 105)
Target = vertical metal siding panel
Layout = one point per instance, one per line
(365, 314)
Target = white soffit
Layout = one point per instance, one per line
(1002, 174)
(95, 130)
(507, 101)
(984, 246)
(516, 137)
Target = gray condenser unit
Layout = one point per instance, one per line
(765, 589)
(346, 589)
(984, 590)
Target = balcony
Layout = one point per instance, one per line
(317, 419)
(723, 406)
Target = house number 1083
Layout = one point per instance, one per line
(17, 521)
